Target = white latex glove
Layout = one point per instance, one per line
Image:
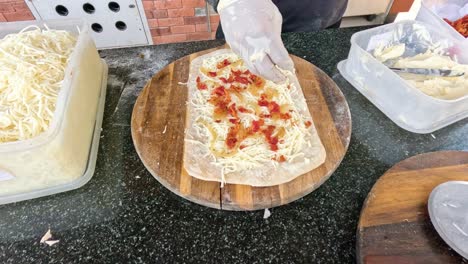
(253, 30)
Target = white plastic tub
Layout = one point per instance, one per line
(404, 104)
(433, 12)
(63, 157)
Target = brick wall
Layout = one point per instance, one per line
(169, 20)
(179, 20)
(14, 10)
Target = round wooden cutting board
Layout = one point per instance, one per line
(158, 125)
(395, 226)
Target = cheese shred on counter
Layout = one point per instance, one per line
(32, 69)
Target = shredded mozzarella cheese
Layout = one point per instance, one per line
(32, 69)
(256, 151)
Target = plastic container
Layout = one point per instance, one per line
(63, 157)
(404, 104)
(433, 12)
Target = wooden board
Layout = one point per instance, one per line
(395, 226)
(158, 124)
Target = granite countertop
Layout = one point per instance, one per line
(123, 215)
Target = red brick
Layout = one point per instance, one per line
(213, 35)
(195, 20)
(214, 27)
(214, 19)
(153, 23)
(21, 6)
(148, 5)
(149, 14)
(159, 13)
(170, 38)
(201, 27)
(2, 18)
(199, 36)
(6, 8)
(173, 21)
(168, 4)
(182, 12)
(18, 16)
(194, 3)
(183, 29)
(160, 31)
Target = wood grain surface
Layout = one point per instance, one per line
(159, 119)
(395, 226)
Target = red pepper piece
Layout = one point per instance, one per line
(212, 74)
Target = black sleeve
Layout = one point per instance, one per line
(214, 3)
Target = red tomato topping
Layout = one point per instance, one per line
(212, 74)
(233, 111)
(274, 140)
(242, 80)
(257, 124)
(200, 84)
(273, 107)
(263, 101)
(237, 88)
(223, 64)
(265, 116)
(242, 147)
(282, 159)
(308, 124)
(220, 109)
(220, 98)
(244, 110)
(273, 147)
(231, 142)
(268, 132)
(219, 91)
(231, 139)
(285, 116)
(218, 121)
(234, 120)
(229, 80)
(257, 80)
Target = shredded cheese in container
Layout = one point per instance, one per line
(50, 86)
(32, 69)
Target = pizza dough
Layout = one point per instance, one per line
(256, 155)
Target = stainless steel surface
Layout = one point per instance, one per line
(448, 210)
(430, 72)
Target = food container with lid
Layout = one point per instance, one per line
(63, 157)
(404, 104)
(433, 12)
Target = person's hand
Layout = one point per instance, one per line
(253, 30)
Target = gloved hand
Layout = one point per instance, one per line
(253, 30)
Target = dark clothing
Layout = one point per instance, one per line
(306, 15)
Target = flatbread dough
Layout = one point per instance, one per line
(200, 162)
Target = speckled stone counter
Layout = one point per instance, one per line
(123, 215)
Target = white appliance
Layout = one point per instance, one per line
(113, 24)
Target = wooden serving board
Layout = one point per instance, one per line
(395, 226)
(158, 124)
